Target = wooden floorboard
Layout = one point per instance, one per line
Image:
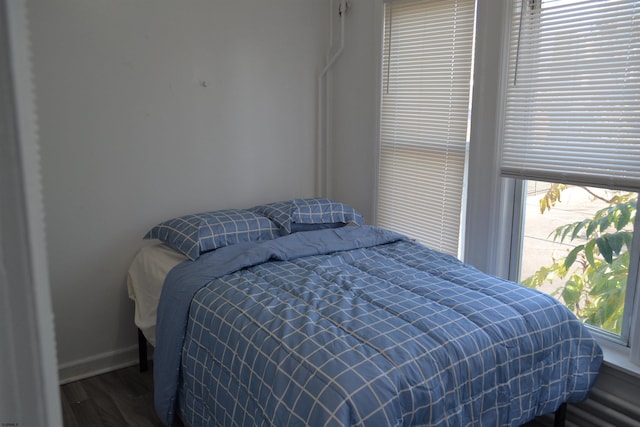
(120, 398)
(123, 398)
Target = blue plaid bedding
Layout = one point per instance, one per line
(359, 326)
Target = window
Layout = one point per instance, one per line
(576, 246)
(573, 93)
(426, 80)
(571, 130)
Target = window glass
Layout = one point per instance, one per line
(576, 247)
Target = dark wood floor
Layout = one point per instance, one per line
(120, 398)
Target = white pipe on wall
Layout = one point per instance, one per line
(322, 151)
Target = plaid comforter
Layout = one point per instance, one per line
(359, 326)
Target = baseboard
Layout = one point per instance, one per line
(98, 364)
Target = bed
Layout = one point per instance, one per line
(310, 321)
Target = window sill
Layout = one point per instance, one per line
(617, 356)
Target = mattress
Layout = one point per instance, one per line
(145, 279)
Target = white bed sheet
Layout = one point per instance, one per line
(145, 279)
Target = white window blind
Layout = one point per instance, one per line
(573, 98)
(426, 77)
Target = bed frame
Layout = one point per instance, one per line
(558, 420)
(142, 352)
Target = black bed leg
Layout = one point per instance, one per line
(561, 416)
(142, 351)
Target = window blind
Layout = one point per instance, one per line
(573, 98)
(426, 78)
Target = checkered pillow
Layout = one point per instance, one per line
(198, 233)
(278, 212)
(321, 212)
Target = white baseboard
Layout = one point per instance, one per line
(98, 364)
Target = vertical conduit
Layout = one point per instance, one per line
(322, 158)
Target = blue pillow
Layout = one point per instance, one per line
(278, 212)
(323, 211)
(315, 213)
(195, 234)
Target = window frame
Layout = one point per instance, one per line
(631, 316)
(493, 221)
(632, 286)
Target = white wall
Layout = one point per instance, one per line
(354, 108)
(152, 109)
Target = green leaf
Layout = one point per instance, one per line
(604, 223)
(566, 231)
(588, 252)
(591, 227)
(628, 238)
(571, 258)
(571, 293)
(615, 241)
(578, 227)
(623, 217)
(605, 249)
